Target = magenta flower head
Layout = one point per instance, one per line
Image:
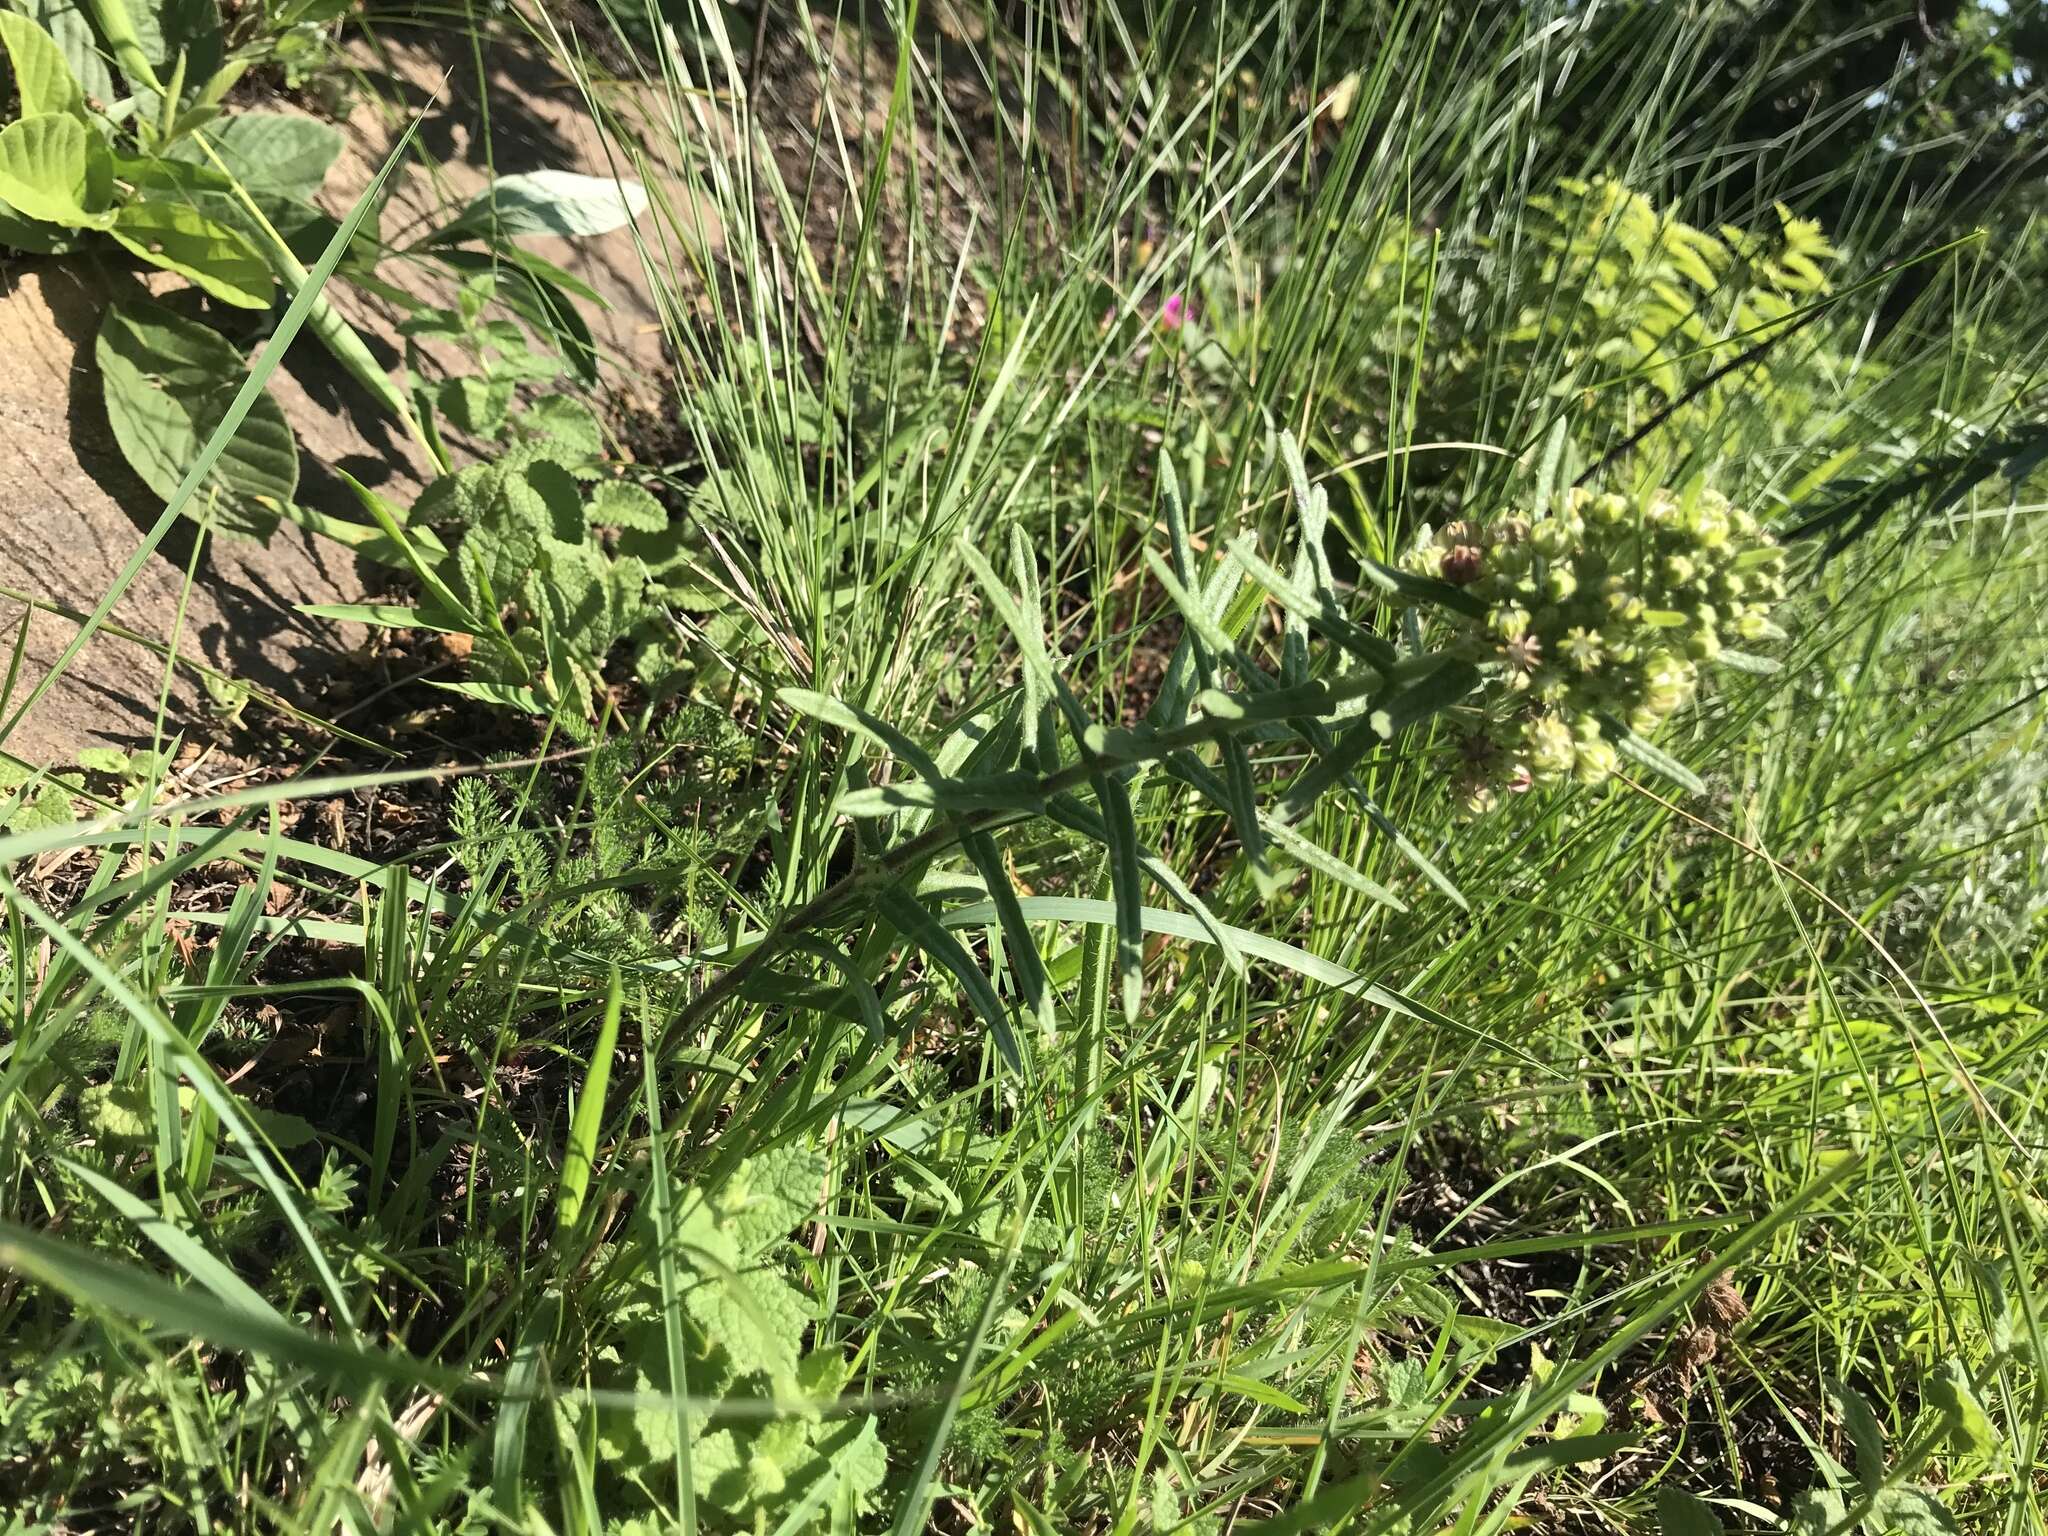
(1172, 312)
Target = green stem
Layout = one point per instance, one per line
(118, 28)
(322, 318)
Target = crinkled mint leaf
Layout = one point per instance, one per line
(566, 422)
(622, 504)
(770, 1194)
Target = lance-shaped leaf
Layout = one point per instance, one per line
(1018, 943)
(1126, 885)
(1654, 758)
(909, 917)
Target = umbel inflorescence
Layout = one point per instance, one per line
(1598, 616)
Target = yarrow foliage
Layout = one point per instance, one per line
(1597, 617)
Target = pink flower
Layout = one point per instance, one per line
(1173, 312)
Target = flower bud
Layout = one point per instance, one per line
(1547, 742)
(1596, 761)
(1460, 564)
(1551, 539)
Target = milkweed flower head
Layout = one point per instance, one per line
(1602, 609)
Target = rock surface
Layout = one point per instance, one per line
(72, 514)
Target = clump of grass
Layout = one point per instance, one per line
(872, 1082)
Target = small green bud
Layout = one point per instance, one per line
(1551, 751)
(1596, 761)
(1552, 539)
(1510, 623)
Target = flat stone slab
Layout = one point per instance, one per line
(72, 514)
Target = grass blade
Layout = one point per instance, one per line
(580, 1155)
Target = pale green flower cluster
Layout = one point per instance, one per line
(1602, 609)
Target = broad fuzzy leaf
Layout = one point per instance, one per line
(54, 168)
(1970, 1429)
(46, 805)
(476, 406)
(42, 75)
(1682, 1514)
(567, 424)
(71, 29)
(181, 239)
(169, 381)
(550, 203)
(1911, 1511)
(1865, 1434)
(270, 152)
(166, 28)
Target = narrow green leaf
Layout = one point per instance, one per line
(661, 1199)
(861, 989)
(117, 25)
(1541, 1456)
(1018, 943)
(388, 523)
(1551, 479)
(1008, 791)
(1244, 815)
(523, 1388)
(859, 722)
(90, 1279)
(1302, 700)
(1311, 609)
(909, 917)
(1190, 770)
(1439, 688)
(379, 616)
(1074, 814)
(180, 1247)
(580, 1154)
(1637, 750)
(1028, 634)
(206, 1084)
(1126, 885)
(1200, 621)
(1422, 589)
